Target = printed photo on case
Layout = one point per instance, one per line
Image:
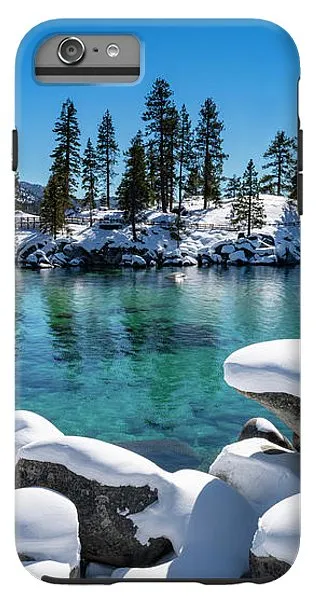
(157, 313)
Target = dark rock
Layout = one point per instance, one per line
(267, 567)
(106, 534)
(285, 406)
(262, 428)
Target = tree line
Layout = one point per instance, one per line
(167, 162)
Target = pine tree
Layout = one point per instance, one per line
(281, 156)
(247, 209)
(185, 151)
(157, 114)
(194, 182)
(172, 133)
(233, 186)
(133, 191)
(66, 156)
(152, 173)
(52, 212)
(209, 146)
(267, 185)
(89, 177)
(107, 155)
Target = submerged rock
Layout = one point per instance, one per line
(260, 427)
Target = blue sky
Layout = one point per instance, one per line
(250, 69)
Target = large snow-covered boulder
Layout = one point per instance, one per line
(262, 472)
(276, 542)
(109, 485)
(217, 539)
(263, 428)
(31, 427)
(269, 372)
(47, 530)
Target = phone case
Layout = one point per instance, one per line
(157, 288)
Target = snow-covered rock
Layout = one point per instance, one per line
(189, 261)
(237, 257)
(262, 472)
(47, 528)
(260, 427)
(217, 540)
(32, 259)
(269, 372)
(227, 249)
(110, 487)
(76, 262)
(276, 541)
(31, 427)
(60, 259)
(138, 261)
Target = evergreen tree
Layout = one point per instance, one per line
(52, 212)
(233, 186)
(107, 155)
(267, 185)
(281, 156)
(133, 191)
(172, 132)
(209, 147)
(89, 177)
(66, 156)
(185, 151)
(157, 116)
(194, 182)
(152, 173)
(247, 209)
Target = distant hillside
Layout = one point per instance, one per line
(31, 195)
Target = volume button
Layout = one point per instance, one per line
(15, 151)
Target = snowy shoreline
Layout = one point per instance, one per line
(90, 508)
(203, 238)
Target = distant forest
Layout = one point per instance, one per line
(166, 163)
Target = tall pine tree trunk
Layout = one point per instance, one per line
(249, 213)
(107, 176)
(279, 175)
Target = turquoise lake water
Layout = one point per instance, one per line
(134, 358)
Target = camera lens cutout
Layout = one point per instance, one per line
(71, 50)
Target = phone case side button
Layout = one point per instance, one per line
(14, 150)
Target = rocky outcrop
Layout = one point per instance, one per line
(107, 532)
(260, 427)
(285, 406)
(276, 541)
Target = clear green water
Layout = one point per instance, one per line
(133, 357)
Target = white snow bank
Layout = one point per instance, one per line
(30, 427)
(262, 472)
(265, 426)
(51, 568)
(46, 526)
(266, 367)
(278, 531)
(217, 541)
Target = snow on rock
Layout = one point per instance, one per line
(262, 472)
(265, 367)
(269, 372)
(260, 427)
(46, 527)
(237, 257)
(110, 487)
(217, 539)
(31, 427)
(276, 541)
